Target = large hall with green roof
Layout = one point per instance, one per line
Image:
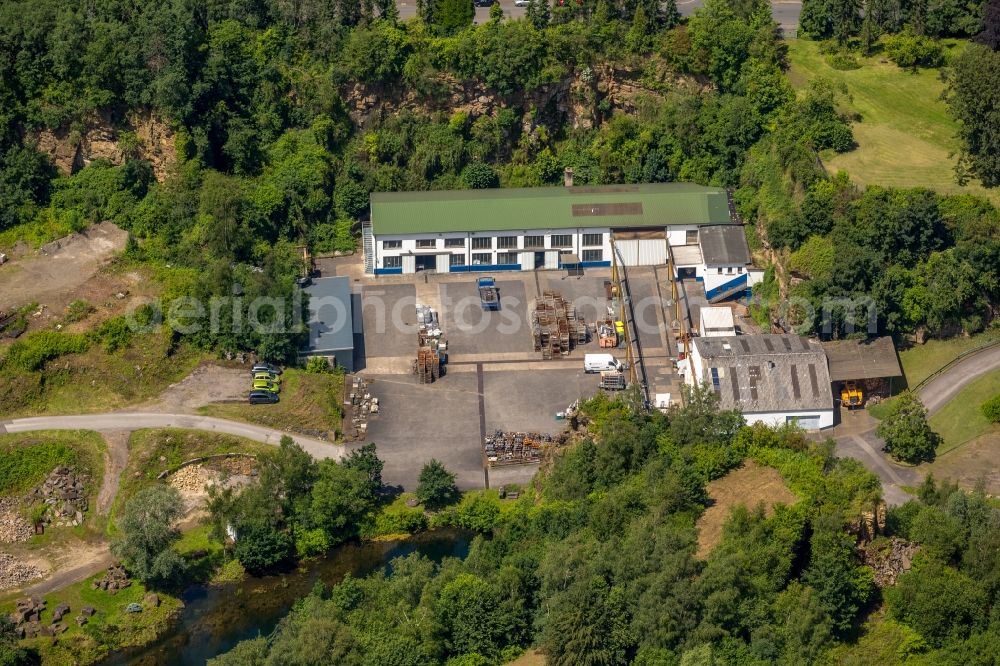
(551, 227)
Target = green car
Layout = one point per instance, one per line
(265, 385)
(267, 376)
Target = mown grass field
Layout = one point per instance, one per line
(310, 404)
(905, 134)
(962, 420)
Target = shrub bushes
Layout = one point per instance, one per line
(31, 353)
(24, 466)
(910, 51)
(991, 409)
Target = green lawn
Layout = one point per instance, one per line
(921, 361)
(310, 404)
(110, 629)
(962, 419)
(905, 134)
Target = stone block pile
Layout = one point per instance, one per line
(114, 579)
(65, 494)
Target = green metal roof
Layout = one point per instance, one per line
(614, 206)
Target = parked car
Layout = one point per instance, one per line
(484, 3)
(522, 3)
(268, 376)
(265, 385)
(265, 367)
(263, 397)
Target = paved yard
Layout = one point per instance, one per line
(443, 420)
(389, 320)
(418, 422)
(471, 330)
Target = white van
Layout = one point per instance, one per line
(601, 362)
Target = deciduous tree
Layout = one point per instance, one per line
(907, 435)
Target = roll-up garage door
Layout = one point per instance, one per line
(409, 263)
(806, 421)
(527, 261)
(443, 263)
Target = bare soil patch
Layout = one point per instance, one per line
(969, 463)
(51, 275)
(210, 382)
(749, 485)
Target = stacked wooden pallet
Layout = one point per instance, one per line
(427, 367)
(555, 326)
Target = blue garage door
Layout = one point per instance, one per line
(806, 421)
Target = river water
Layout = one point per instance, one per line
(215, 618)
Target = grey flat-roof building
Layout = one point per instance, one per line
(331, 321)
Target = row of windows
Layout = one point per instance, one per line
(502, 242)
(729, 271)
(486, 258)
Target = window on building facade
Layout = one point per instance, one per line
(691, 237)
(482, 243)
(592, 255)
(506, 242)
(534, 242)
(456, 260)
(427, 243)
(482, 258)
(454, 242)
(593, 239)
(392, 245)
(562, 240)
(719, 271)
(392, 262)
(506, 257)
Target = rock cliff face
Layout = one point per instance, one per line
(143, 135)
(581, 100)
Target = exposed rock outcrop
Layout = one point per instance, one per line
(889, 558)
(581, 99)
(148, 138)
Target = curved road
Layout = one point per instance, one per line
(938, 391)
(140, 420)
(856, 438)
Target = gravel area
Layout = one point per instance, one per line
(15, 572)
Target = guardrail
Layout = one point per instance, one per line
(967, 353)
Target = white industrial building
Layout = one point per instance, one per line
(772, 379)
(716, 322)
(525, 229)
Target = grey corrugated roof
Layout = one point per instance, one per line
(767, 373)
(862, 359)
(724, 245)
(650, 205)
(331, 318)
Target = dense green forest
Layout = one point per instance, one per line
(259, 96)
(597, 564)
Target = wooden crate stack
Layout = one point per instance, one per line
(555, 326)
(427, 367)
